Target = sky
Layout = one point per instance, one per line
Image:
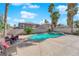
(34, 13)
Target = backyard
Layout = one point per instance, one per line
(23, 34)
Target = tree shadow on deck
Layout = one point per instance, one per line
(25, 44)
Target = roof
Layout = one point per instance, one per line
(28, 23)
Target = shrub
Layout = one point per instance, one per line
(76, 33)
(49, 30)
(28, 30)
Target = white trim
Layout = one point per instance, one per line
(39, 1)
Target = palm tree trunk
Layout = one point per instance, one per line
(51, 27)
(71, 29)
(72, 24)
(5, 19)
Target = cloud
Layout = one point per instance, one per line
(33, 6)
(62, 9)
(10, 21)
(42, 22)
(17, 4)
(76, 17)
(25, 14)
(24, 7)
(13, 21)
(19, 20)
(8, 18)
(62, 20)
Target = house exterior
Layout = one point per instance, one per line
(42, 28)
(23, 25)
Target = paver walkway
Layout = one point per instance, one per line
(67, 45)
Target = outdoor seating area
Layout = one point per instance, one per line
(10, 51)
(51, 31)
(9, 45)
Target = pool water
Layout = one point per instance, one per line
(40, 37)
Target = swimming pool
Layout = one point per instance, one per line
(41, 37)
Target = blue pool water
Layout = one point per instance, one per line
(40, 37)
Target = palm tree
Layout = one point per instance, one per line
(71, 11)
(1, 19)
(45, 21)
(76, 23)
(1, 22)
(5, 18)
(50, 8)
(51, 12)
(54, 15)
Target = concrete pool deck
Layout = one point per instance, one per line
(67, 45)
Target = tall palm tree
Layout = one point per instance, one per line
(1, 19)
(51, 12)
(5, 18)
(71, 11)
(54, 15)
(1, 22)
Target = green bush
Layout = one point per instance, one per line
(76, 33)
(1, 27)
(28, 30)
(49, 30)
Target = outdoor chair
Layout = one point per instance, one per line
(12, 50)
(2, 50)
